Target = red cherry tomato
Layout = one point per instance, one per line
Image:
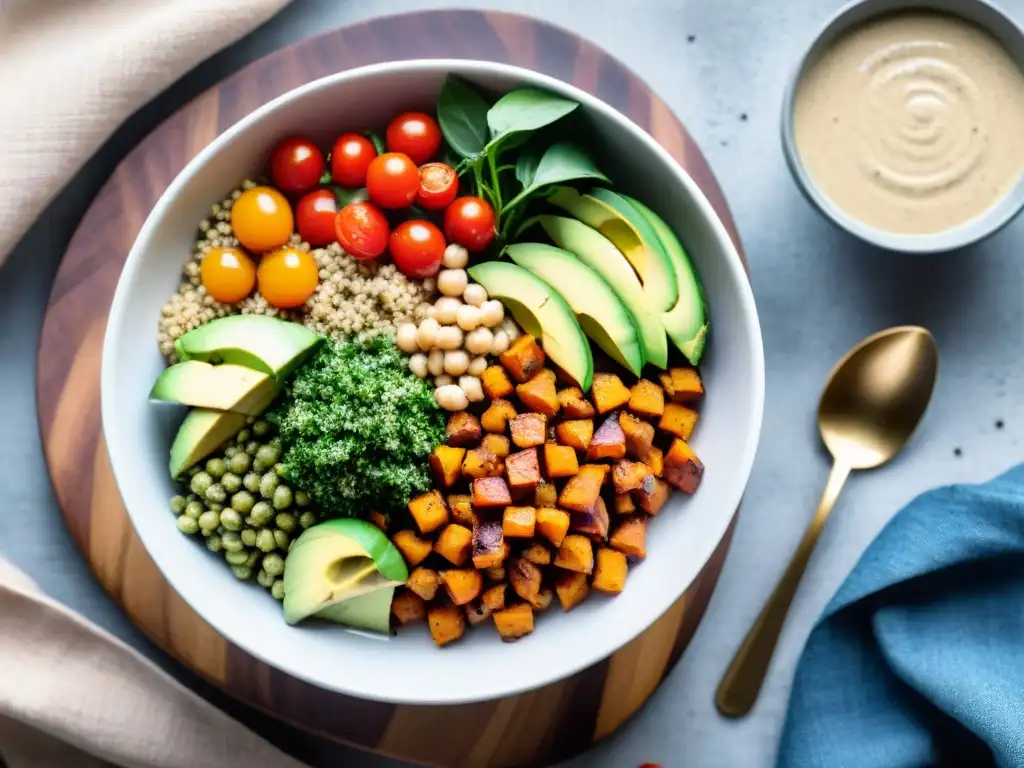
(362, 230)
(296, 165)
(439, 184)
(314, 215)
(469, 221)
(350, 157)
(392, 180)
(416, 134)
(417, 247)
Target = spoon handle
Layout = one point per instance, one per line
(741, 683)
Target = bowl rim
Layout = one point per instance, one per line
(984, 14)
(645, 613)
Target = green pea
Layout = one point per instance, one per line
(213, 543)
(302, 499)
(216, 494)
(236, 557)
(261, 428)
(261, 513)
(216, 467)
(189, 526)
(281, 538)
(231, 520)
(232, 541)
(231, 482)
(250, 522)
(265, 579)
(178, 504)
(191, 472)
(215, 506)
(275, 442)
(209, 520)
(282, 498)
(268, 485)
(277, 591)
(251, 481)
(240, 463)
(248, 537)
(273, 564)
(252, 447)
(265, 541)
(231, 451)
(243, 437)
(307, 519)
(194, 509)
(285, 521)
(242, 572)
(242, 502)
(267, 455)
(254, 557)
(200, 483)
(279, 470)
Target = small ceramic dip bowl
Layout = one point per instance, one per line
(912, 137)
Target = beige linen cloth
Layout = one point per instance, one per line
(71, 71)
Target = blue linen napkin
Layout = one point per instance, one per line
(919, 658)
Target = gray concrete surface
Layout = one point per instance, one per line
(721, 66)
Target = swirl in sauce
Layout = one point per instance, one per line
(912, 123)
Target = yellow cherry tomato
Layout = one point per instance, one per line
(262, 219)
(228, 274)
(287, 277)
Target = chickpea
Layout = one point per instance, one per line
(492, 313)
(456, 363)
(468, 317)
(446, 309)
(443, 380)
(405, 338)
(435, 362)
(452, 398)
(508, 325)
(475, 294)
(472, 388)
(480, 341)
(449, 337)
(452, 282)
(455, 256)
(429, 285)
(427, 333)
(477, 366)
(500, 343)
(418, 365)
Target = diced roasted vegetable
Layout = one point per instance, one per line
(496, 572)
(488, 544)
(679, 420)
(538, 394)
(525, 578)
(408, 607)
(429, 511)
(494, 597)
(523, 359)
(609, 441)
(523, 469)
(682, 385)
(543, 599)
(610, 569)
(546, 374)
(446, 463)
(514, 622)
(576, 433)
(639, 435)
(647, 399)
(481, 463)
(446, 623)
(630, 537)
(608, 392)
(495, 419)
(537, 554)
(652, 501)
(490, 492)
(560, 460)
(682, 467)
(528, 429)
(477, 613)
(573, 404)
(656, 461)
(571, 588)
(519, 522)
(462, 584)
(552, 524)
(464, 429)
(593, 522)
(575, 554)
(413, 548)
(545, 495)
(461, 506)
(632, 475)
(454, 543)
(624, 505)
(584, 488)
(499, 445)
(424, 582)
(381, 520)
(496, 383)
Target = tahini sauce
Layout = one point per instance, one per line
(912, 123)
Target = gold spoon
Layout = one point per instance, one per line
(874, 398)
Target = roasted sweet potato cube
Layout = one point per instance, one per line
(592, 523)
(522, 469)
(576, 433)
(652, 501)
(682, 467)
(610, 569)
(647, 399)
(523, 359)
(545, 495)
(655, 459)
(495, 418)
(477, 613)
(574, 405)
(552, 524)
(525, 578)
(494, 597)
(464, 429)
(461, 506)
(481, 463)
(537, 554)
(632, 475)
(639, 435)
(583, 489)
(546, 374)
(575, 554)
(538, 394)
(609, 441)
(608, 392)
(514, 622)
(380, 520)
(488, 544)
(571, 588)
(682, 385)
(447, 623)
(496, 383)
(462, 584)
(679, 420)
(499, 445)
(424, 582)
(407, 607)
(543, 599)
(429, 511)
(560, 461)
(490, 492)
(496, 572)
(446, 464)
(454, 543)
(529, 429)
(413, 548)
(630, 536)
(624, 505)
(519, 522)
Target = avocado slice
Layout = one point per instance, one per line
(266, 344)
(599, 310)
(601, 255)
(200, 434)
(224, 387)
(340, 562)
(686, 323)
(604, 212)
(538, 308)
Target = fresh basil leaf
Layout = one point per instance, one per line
(462, 115)
(377, 141)
(526, 164)
(561, 162)
(524, 110)
(346, 196)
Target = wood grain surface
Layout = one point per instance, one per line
(536, 728)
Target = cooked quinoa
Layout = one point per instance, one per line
(358, 299)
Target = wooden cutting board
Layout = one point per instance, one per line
(536, 728)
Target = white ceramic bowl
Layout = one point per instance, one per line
(409, 668)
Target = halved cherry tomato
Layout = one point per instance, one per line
(296, 165)
(315, 214)
(417, 247)
(392, 180)
(350, 157)
(228, 274)
(262, 219)
(469, 221)
(287, 277)
(362, 230)
(417, 134)
(439, 184)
